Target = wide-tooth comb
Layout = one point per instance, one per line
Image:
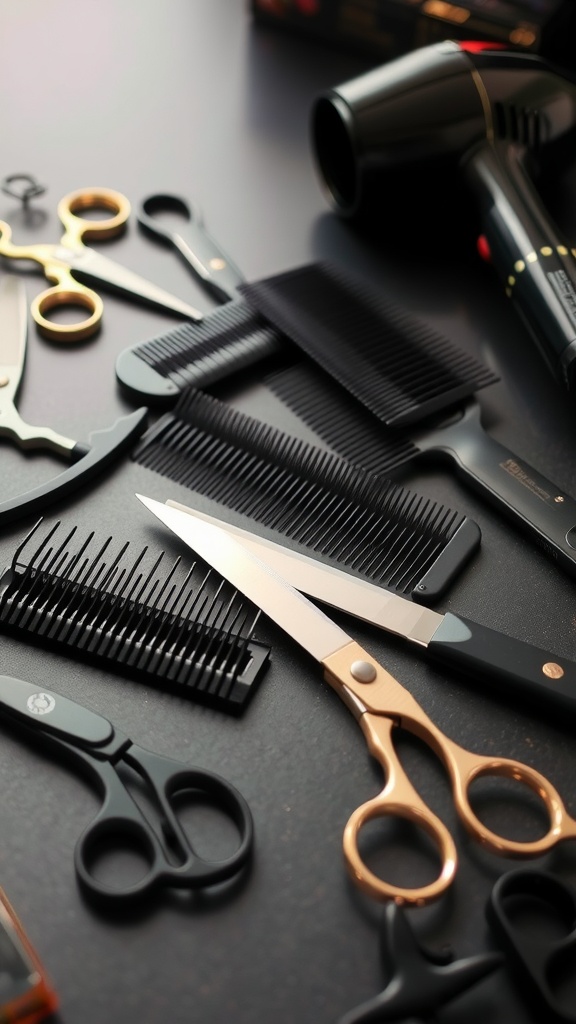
(197, 354)
(404, 373)
(392, 536)
(119, 613)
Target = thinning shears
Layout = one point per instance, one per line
(61, 262)
(380, 704)
(169, 853)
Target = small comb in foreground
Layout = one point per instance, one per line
(120, 614)
(390, 536)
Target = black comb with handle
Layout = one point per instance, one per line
(96, 605)
(411, 379)
(389, 535)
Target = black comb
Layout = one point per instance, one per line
(390, 361)
(123, 615)
(383, 532)
(197, 354)
(338, 419)
(403, 373)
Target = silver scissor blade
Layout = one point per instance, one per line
(335, 587)
(88, 262)
(13, 330)
(313, 630)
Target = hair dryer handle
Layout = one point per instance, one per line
(536, 266)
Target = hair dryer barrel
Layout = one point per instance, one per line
(423, 106)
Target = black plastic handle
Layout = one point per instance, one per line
(537, 505)
(153, 205)
(170, 856)
(202, 254)
(533, 675)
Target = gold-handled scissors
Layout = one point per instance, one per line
(380, 704)
(71, 256)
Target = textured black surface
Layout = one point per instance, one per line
(187, 97)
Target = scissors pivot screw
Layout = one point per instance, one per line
(363, 671)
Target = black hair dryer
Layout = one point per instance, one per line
(496, 114)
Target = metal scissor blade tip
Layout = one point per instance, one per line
(251, 576)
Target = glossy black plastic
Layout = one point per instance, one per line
(524, 672)
(497, 115)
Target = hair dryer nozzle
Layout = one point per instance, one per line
(423, 106)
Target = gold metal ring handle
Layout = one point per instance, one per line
(59, 296)
(78, 228)
(398, 799)
(471, 767)
(372, 884)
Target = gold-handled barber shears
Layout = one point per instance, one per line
(380, 704)
(71, 256)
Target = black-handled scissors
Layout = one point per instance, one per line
(207, 260)
(169, 854)
(533, 915)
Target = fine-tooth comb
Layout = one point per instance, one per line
(405, 374)
(198, 354)
(194, 641)
(389, 535)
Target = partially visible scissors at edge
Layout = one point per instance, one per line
(168, 852)
(379, 703)
(71, 256)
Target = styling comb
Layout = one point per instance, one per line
(413, 381)
(197, 354)
(388, 535)
(92, 602)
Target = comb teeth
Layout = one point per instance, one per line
(394, 364)
(339, 419)
(366, 523)
(226, 341)
(124, 615)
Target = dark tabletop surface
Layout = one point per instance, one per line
(188, 97)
